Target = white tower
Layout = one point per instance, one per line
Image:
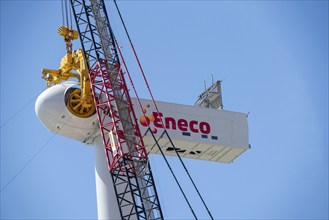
(203, 134)
(51, 109)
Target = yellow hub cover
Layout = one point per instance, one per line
(76, 106)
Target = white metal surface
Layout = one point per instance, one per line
(107, 206)
(51, 109)
(198, 133)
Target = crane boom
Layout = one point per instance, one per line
(125, 151)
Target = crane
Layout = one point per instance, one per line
(104, 91)
(98, 110)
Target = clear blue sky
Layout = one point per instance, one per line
(273, 59)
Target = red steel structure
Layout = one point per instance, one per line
(106, 97)
(124, 148)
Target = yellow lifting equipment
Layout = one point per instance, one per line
(80, 101)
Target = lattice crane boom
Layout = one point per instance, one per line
(126, 155)
(124, 181)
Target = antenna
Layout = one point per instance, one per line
(212, 96)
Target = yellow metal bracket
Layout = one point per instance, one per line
(73, 65)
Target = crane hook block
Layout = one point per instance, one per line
(68, 33)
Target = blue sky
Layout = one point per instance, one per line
(273, 59)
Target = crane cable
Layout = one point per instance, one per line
(67, 17)
(140, 105)
(148, 87)
(66, 14)
(62, 5)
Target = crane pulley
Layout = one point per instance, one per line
(69, 35)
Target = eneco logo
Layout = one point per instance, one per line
(171, 123)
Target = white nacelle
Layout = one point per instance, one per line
(197, 133)
(51, 109)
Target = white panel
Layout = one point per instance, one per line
(199, 133)
(211, 152)
(51, 109)
(221, 155)
(233, 153)
(107, 206)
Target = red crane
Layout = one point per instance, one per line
(100, 69)
(125, 151)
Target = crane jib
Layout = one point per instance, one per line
(125, 151)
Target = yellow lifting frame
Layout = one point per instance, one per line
(80, 101)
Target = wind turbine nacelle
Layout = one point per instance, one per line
(51, 109)
(198, 133)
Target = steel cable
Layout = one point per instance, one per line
(19, 110)
(148, 87)
(34, 156)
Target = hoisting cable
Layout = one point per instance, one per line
(172, 172)
(71, 18)
(155, 105)
(149, 129)
(134, 51)
(67, 16)
(195, 187)
(62, 12)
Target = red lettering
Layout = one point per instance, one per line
(204, 128)
(182, 124)
(192, 128)
(157, 119)
(171, 121)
